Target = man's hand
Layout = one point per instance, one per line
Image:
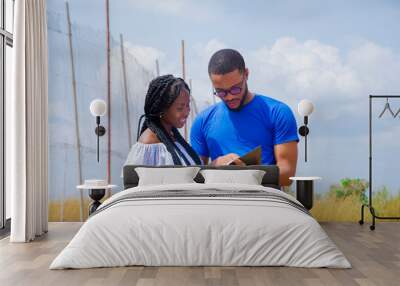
(286, 160)
(227, 160)
(204, 160)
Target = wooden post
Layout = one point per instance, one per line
(184, 78)
(108, 96)
(64, 183)
(125, 92)
(157, 68)
(183, 59)
(75, 104)
(191, 103)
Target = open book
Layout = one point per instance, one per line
(251, 158)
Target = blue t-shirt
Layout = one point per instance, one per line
(264, 121)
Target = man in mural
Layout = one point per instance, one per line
(244, 120)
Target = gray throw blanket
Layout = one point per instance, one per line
(204, 193)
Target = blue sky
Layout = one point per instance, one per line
(154, 29)
(339, 23)
(334, 53)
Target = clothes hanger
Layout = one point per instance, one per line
(397, 113)
(387, 107)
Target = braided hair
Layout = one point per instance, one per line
(161, 94)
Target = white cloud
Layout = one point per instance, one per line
(376, 66)
(292, 70)
(307, 69)
(205, 50)
(202, 88)
(145, 55)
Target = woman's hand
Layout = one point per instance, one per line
(229, 159)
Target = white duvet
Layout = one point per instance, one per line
(200, 231)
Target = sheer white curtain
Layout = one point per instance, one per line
(27, 123)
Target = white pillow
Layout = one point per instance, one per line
(166, 176)
(249, 177)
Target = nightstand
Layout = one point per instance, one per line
(305, 190)
(96, 193)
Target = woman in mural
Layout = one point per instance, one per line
(167, 108)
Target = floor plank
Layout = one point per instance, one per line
(375, 257)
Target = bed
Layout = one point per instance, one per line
(201, 224)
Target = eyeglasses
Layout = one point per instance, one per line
(234, 90)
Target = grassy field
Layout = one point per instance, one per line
(348, 209)
(71, 210)
(341, 204)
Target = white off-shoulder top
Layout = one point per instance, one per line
(154, 155)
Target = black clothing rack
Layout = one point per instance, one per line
(369, 205)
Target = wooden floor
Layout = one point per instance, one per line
(375, 257)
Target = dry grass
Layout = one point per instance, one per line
(71, 210)
(387, 207)
(331, 209)
(326, 208)
(348, 209)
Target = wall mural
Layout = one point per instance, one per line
(337, 143)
